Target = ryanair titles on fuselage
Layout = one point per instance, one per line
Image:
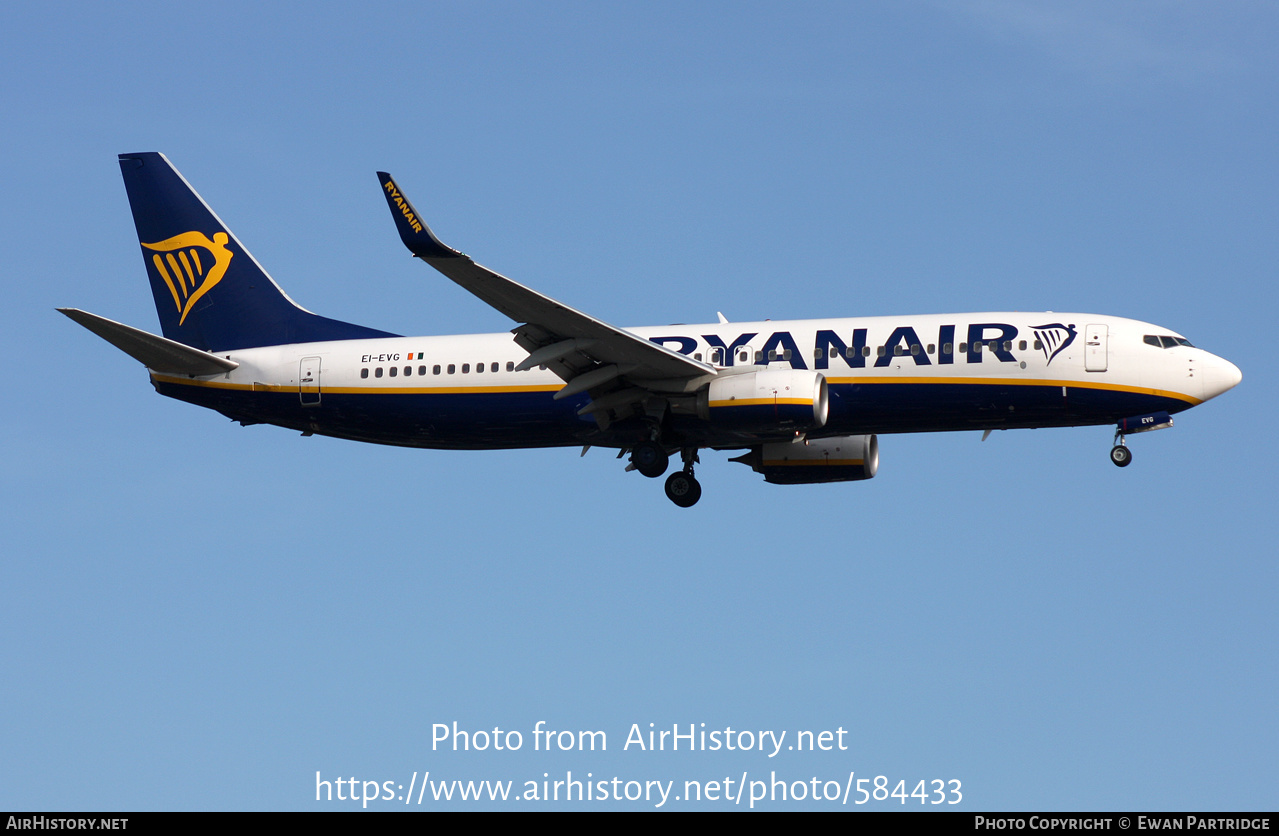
(830, 350)
(995, 338)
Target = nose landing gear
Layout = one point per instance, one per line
(1120, 454)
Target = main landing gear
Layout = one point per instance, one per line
(651, 459)
(682, 486)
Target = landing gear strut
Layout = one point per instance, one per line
(682, 487)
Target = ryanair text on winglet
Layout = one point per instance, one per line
(411, 218)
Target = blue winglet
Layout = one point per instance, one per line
(414, 232)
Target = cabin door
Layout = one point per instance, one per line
(1095, 339)
(309, 381)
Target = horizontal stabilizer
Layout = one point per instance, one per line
(154, 352)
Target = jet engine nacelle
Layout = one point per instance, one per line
(766, 400)
(845, 458)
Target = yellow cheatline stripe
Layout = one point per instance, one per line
(823, 462)
(221, 384)
(441, 390)
(764, 401)
(353, 390)
(483, 390)
(987, 381)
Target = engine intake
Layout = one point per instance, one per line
(845, 458)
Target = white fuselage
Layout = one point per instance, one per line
(938, 372)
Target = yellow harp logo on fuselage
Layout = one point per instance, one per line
(179, 263)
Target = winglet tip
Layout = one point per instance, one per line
(414, 232)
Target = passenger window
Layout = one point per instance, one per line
(493, 367)
(378, 372)
(759, 356)
(931, 346)
(421, 370)
(880, 352)
(1008, 345)
(698, 356)
(364, 373)
(850, 352)
(1021, 346)
(1039, 345)
(963, 348)
(408, 371)
(466, 368)
(743, 356)
(435, 370)
(479, 368)
(865, 351)
(394, 369)
(786, 354)
(452, 368)
(510, 365)
(946, 348)
(915, 349)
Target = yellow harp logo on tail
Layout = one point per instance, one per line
(188, 274)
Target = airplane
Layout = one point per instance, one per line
(804, 401)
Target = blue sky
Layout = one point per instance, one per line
(195, 615)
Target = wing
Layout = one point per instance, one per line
(617, 367)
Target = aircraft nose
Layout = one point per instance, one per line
(1220, 376)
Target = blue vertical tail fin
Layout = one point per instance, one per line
(209, 291)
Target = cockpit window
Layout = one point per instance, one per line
(1165, 341)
